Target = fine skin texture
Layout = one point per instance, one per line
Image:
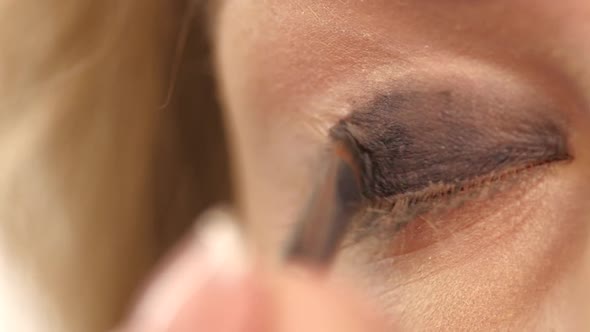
(512, 260)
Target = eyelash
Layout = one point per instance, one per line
(397, 211)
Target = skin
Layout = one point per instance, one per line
(90, 144)
(211, 283)
(289, 70)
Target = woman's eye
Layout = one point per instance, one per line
(434, 162)
(409, 222)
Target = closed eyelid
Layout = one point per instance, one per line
(413, 139)
(426, 153)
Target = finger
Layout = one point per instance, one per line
(309, 302)
(211, 286)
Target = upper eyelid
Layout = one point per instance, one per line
(398, 163)
(410, 140)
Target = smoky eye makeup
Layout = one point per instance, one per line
(407, 142)
(416, 147)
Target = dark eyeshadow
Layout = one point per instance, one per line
(407, 141)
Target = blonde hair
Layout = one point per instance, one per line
(97, 176)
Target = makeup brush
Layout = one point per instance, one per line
(336, 199)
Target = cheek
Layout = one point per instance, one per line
(501, 271)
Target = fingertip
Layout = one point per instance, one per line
(310, 301)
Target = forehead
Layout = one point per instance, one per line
(440, 20)
(294, 48)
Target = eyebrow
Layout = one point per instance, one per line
(409, 141)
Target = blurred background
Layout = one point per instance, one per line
(111, 144)
(196, 149)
